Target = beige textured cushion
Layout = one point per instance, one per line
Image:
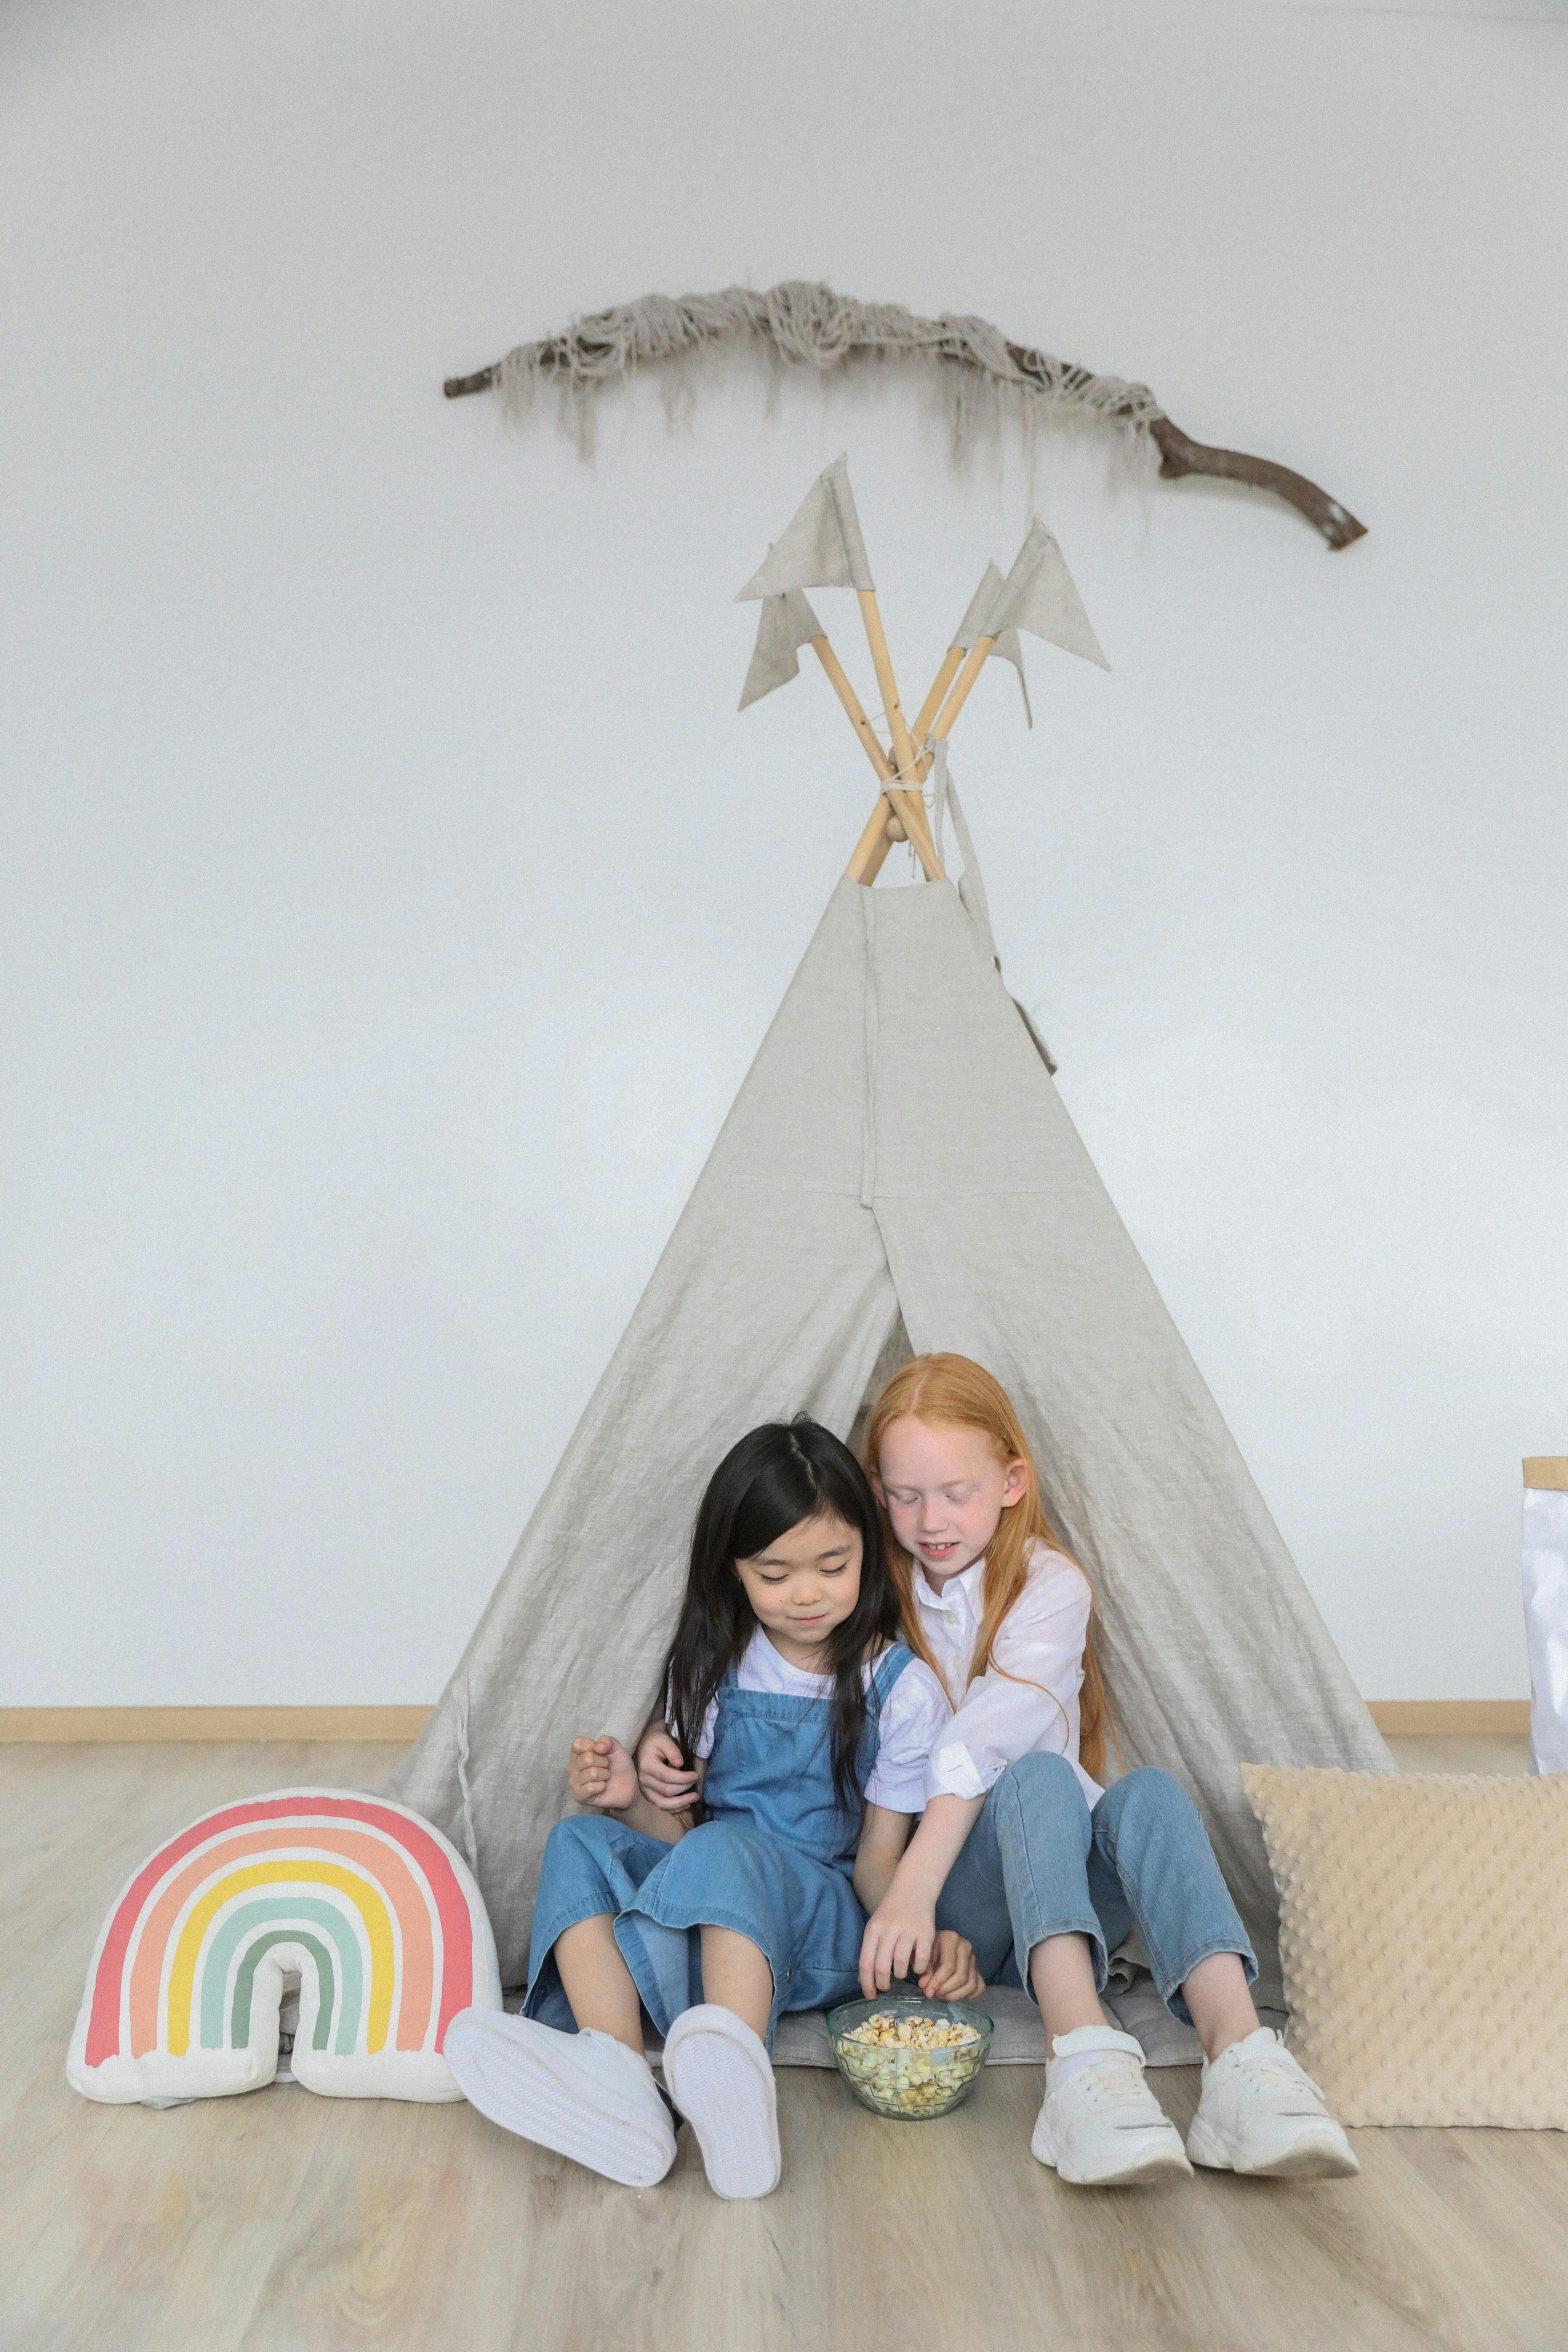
(1424, 1927)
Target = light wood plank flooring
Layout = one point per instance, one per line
(284, 2223)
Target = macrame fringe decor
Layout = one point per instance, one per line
(982, 376)
(799, 325)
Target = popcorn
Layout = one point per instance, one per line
(909, 2066)
(913, 2032)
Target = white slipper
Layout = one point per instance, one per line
(584, 2095)
(722, 2079)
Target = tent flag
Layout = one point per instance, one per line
(1038, 596)
(784, 623)
(821, 548)
(831, 1217)
(973, 625)
(1008, 649)
(1007, 646)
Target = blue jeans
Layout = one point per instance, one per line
(1037, 1863)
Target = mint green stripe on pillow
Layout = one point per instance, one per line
(261, 1911)
(244, 1985)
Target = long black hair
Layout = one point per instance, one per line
(777, 1477)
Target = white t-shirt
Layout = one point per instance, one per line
(916, 1711)
(1040, 1641)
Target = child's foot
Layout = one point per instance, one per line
(722, 2079)
(1259, 2114)
(584, 2095)
(1101, 2121)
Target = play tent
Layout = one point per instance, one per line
(898, 1174)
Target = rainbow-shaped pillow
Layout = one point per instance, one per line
(379, 1917)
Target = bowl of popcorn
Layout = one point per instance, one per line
(908, 2058)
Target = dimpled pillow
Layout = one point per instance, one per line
(1424, 1929)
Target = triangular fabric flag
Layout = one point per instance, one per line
(973, 625)
(784, 623)
(1008, 649)
(1038, 596)
(822, 547)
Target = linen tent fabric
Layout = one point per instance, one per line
(833, 1217)
(785, 623)
(991, 582)
(822, 545)
(1040, 595)
(1007, 647)
(971, 884)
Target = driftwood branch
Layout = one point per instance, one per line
(597, 348)
(457, 387)
(1179, 456)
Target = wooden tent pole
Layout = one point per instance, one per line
(887, 685)
(951, 661)
(911, 811)
(892, 799)
(871, 849)
(943, 727)
(851, 702)
(873, 845)
(907, 801)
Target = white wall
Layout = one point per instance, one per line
(393, 899)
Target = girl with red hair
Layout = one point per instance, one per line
(1021, 1848)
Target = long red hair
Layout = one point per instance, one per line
(952, 1393)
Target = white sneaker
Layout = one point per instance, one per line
(584, 2095)
(722, 2079)
(1103, 2124)
(1259, 2114)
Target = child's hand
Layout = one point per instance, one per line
(899, 1941)
(953, 1975)
(662, 1772)
(602, 1774)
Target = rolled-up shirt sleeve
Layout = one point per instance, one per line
(915, 1714)
(1028, 1699)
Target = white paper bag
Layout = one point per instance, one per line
(1546, 1608)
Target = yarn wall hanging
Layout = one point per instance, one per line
(983, 377)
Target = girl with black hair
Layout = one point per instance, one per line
(799, 1724)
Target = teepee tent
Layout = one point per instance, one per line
(836, 1228)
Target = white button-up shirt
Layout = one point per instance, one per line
(1028, 1697)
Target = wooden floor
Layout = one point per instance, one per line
(282, 2222)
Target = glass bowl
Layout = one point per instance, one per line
(908, 2083)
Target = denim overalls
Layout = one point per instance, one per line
(773, 1860)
